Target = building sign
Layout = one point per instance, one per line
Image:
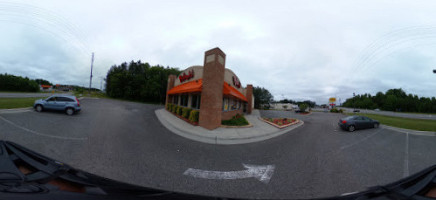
(236, 82)
(332, 100)
(183, 77)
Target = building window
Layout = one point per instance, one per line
(184, 100)
(195, 101)
(225, 104)
(176, 99)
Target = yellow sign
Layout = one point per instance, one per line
(333, 99)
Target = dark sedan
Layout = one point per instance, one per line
(352, 123)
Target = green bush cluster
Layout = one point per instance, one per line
(237, 120)
(194, 115)
(335, 110)
(186, 112)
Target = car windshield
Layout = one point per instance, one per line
(230, 99)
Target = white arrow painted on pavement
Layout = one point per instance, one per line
(261, 172)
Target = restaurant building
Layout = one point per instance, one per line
(212, 89)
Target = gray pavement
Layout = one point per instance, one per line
(125, 141)
(22, 95)
(257, 130)
(395, 114)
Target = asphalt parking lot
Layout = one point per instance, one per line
(125, 141)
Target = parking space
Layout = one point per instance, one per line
(125, 141)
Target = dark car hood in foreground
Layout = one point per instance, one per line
(25, 174)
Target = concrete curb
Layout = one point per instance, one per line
(409, 131)
(16, 110)
(220, 141)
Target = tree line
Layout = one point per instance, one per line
(139, 81)
(393, 100)
(13, 83)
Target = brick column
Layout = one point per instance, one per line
(249, 92)
(212, 91)
(170, 85)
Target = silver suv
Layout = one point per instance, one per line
(69, 104)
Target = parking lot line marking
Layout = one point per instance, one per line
(365, 138)
(40, 134)
(406, 157)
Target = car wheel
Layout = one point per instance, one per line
(69, 111)
(351, 128)
(38, 108)
(375, 125)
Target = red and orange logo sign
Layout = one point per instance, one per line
(184, 77)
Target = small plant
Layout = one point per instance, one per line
(193, 116)
(179, 110)
(186, 112)
(237, 120)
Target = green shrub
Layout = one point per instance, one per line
(179, 110)
(169, 106)
(186, 112)
(193, 116)
(175, 109)
(237, 120)
(303, 107)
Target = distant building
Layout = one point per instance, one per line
(45, 87)
(65, 88)
(283, 106)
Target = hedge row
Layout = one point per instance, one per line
(187, 113)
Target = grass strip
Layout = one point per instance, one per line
(400, 122)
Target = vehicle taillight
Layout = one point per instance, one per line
(343, 121)
(78, 102)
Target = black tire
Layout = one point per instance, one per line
(39, 108)
(376, 125)
(69, 111)
(351, 128)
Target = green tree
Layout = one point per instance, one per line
(261, 97)
(138, 81)
(303, 107)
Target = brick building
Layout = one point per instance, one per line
(212, 89)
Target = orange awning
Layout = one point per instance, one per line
(193, 86)
(229, 90)
(197, 85)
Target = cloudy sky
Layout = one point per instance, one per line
(296, 49)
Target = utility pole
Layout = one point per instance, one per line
(90, 77)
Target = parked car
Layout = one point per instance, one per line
(69, 104)
(356, 110)
(352, 123)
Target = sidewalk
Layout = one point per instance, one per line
(258, 132)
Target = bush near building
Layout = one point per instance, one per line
(237, 120)
(193, 116)
(186, 112)
(179, 110)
